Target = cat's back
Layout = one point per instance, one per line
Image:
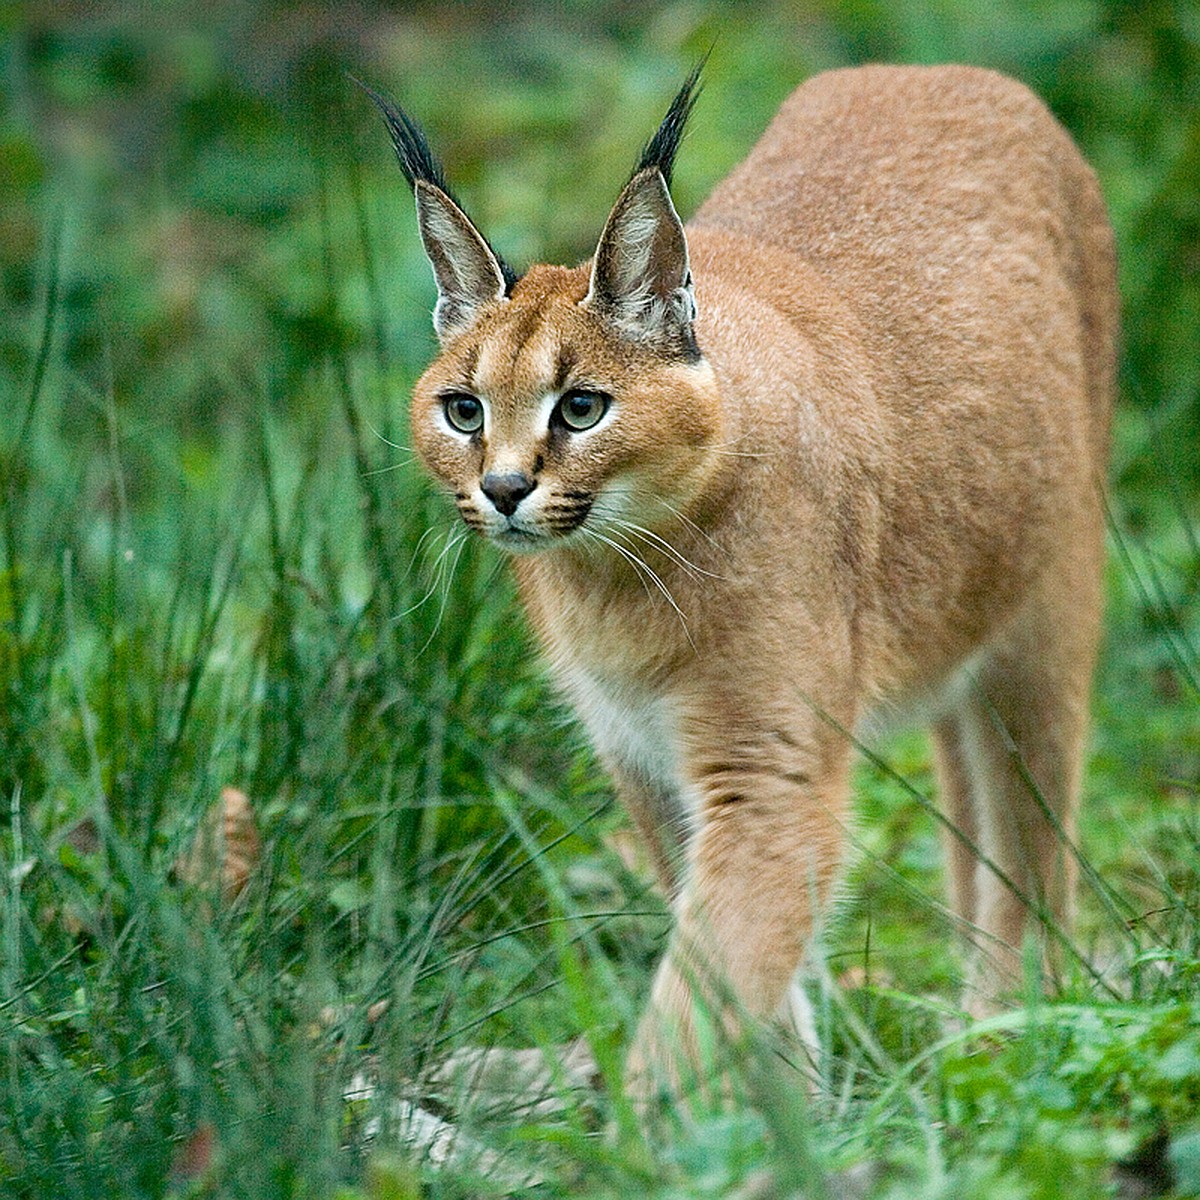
(950, 210)
(931, 247)
(881, 159)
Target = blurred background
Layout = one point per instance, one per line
(181, 165)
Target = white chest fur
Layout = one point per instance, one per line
(630, 726)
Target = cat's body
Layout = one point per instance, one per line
(865, 477)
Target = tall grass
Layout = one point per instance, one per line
(320, 635)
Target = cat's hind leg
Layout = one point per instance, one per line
(960, 833)
(1022, 729)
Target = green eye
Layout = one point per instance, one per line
(463, 411)
(579, 409)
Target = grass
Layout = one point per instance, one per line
(281, 606)
(435, 836)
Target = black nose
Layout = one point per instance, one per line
(506, 490)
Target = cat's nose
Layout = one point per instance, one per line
(506, 489)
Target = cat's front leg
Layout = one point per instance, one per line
(659, 814)
(760, 867)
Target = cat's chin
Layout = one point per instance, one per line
(522, 541)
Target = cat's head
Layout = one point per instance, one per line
(567, 406)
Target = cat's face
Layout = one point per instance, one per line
(550, 427)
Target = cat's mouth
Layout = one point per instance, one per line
(555, 521)
(514, 537)
(521, 538)
(566, 514)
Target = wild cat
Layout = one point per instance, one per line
(834, 448)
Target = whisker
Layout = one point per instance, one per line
(388, 441)
(689, 523)
(454, 539)
(655, 578)
(494, 573)
(447, 578)
(724, 448)
(416, 554)
(739, 453)
(637, 533)
(632, 559)
(639, 564)
(651, 538)
(390, 467)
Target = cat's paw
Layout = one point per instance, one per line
(684, 1047)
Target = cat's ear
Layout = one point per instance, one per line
(641, 280)
(468, 274)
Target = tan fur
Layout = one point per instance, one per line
(877, 492)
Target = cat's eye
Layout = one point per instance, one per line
(579, 409)
(464, 412)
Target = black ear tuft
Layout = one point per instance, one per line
(418, 161)
(661, 149)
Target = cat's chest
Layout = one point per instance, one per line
(615, 654)
(633, 726)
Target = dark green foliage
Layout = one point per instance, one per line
(220, 567)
